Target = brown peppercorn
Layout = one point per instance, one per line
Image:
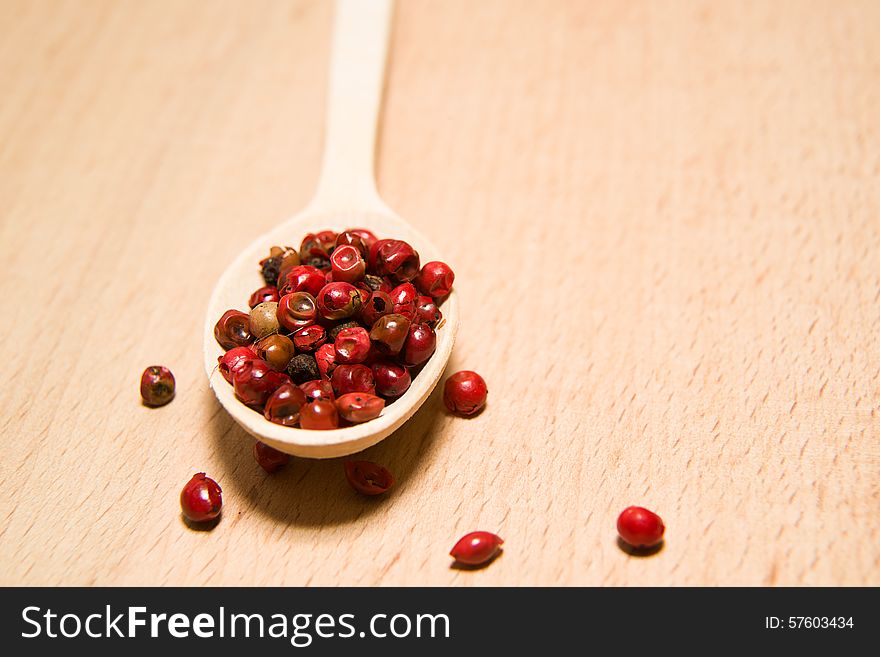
(277, 350)
(264, 319)
(389, 333)
(233, 330)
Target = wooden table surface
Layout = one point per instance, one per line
(665, 223)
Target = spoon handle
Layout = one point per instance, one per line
(357, 70)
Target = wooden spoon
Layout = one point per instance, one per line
(346, 198)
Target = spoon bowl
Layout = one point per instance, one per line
(243, 276)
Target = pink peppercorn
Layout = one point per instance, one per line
(464, 393)
(476, 548)
(435, 279)
(201, 499)
(269, 458)
(640, 527)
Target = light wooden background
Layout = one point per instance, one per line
(665, 223)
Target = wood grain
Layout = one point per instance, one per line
(665, 223)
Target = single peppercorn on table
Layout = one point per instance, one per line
(663, 220)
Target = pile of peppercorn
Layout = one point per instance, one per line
(341, 327)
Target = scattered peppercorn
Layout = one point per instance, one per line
(476, 548)
(368, 478)
(269, 458)
(157, 385)
(201, 499)
(640, 527)
(464, 393)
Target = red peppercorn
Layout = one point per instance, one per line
(359, 406)
(373, 356)
(309, 338)
(319, 415)
(232, 360)
(157, 385)
(326, 359)
(284, 271)
(367, 236)
(378, 305)
(368, 478)
(427, 312)
(269, 458)
(389, 333)
(276, 349)
(201, 499)
(352, 345)
(420, 345)
(348, 238)
(318, 389)
(435, 279)
(255, 381)
(639, 527)
(313, 251)
(476, 548)
(465, 393)
(352, 378)
(302, 278)
(338, 301)
(265, 293)
(233, 329)
(327, 239)
(297, 310)
(404, 298)
(283, 406)
(348, 264)
(394, 258)
(392, 380)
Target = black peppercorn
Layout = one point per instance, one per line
(332, 333)
(317, 261)
(270, 267)
(302, 368)
(373, 282)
